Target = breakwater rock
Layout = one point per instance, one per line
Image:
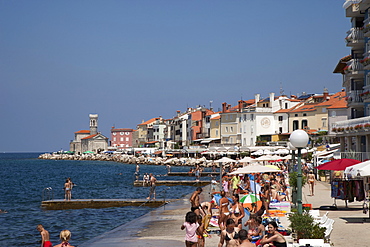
(131, 159)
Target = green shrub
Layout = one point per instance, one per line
(305, 227)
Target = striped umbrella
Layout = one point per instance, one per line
(248, 199)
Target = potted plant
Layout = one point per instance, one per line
(304, 226)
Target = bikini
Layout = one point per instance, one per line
(227, 238)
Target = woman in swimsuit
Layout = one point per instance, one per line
(65, 236)
(237, 211)
(273, 237)
(230, 235)
(265, 197)
(224, 213)
(311, 182)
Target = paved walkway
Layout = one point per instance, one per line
(349, 227)
(161, 227)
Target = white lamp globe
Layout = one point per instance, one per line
(291, 147)
(299, 138)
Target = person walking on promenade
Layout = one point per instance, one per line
(152, 181)
(311, 182)
(230, 235)
(195, 201)
(191, 226)
(64, 236)
(45, 237)
(224, 213)
(67, 190)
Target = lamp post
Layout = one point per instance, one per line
(299, 139)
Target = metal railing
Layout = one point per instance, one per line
(362, 156)
(351, 122)
(47, 194)
(354, 96)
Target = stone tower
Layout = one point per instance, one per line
(93, 124)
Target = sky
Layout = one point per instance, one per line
(130, 61)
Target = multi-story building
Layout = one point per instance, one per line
(121, 138)
(353, 133)
(265, 120)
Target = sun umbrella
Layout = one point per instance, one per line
(273, 167)
(248, 199)
(247, 160)
(254, 169)
(359, 170)
(88, 152)
(225, 160)
(338, 165)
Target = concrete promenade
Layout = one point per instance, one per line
(161, 227)
(349, 229)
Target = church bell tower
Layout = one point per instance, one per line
(93, 124)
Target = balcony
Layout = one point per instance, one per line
(352, 8)
(259, 109)
(349, 3)
(354, 69)
(355, 37)
(355, 97)
(352, 125)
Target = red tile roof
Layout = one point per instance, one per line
(149, 121)
(88, 137)
(83, 132)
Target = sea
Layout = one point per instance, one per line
(26, 181)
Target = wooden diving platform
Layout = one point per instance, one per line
(100, 203)
(187, 174)
(200, 183)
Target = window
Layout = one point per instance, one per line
(216, 123)
(226, 129)
(121, 133)
(231, 129)
(231, 140)
(280, 130)
(226, 117)
(121, 139)
(304, 124)
(127, 139)
(252, 117)
(286, 105)
(114, 139)
(295, 125)
(296, 115)
(216, 132)
(333, 113)
(323, 110)
(323, 121)
(304, 114)
(280, 118)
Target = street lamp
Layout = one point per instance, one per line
(299, 139)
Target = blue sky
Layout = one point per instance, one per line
(130, 61)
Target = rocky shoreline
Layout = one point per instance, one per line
(131, 159)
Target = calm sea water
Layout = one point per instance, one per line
(24, 178)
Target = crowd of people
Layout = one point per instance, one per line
(229, 211)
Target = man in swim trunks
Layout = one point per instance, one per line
(45, 237)
(152, 181)
(194, 200)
